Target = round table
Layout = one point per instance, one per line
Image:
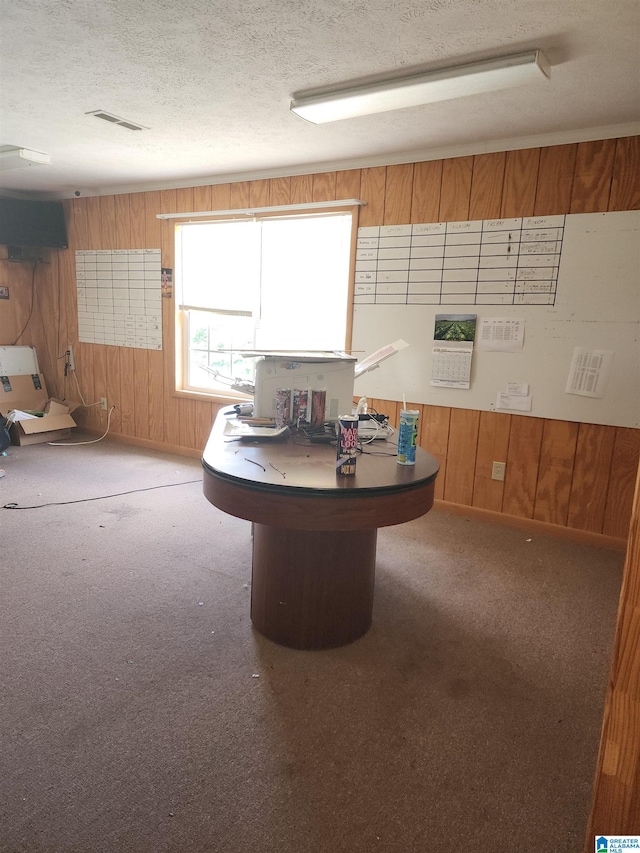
(314, 530)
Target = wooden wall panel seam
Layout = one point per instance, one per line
(473, 497)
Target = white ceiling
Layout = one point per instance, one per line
(212, 81)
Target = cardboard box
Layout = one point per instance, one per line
(29, 393)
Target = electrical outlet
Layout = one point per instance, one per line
(70, 359)
(497, 472)
(103, 404)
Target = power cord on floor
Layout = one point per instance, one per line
(101, 497)
(90, 441)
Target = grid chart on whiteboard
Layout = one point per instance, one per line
(119, 297)
(484, 262)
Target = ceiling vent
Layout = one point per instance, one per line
(130, 125)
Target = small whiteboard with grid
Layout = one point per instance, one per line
(119, 297)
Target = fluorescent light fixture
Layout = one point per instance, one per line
(416, 89)
(16, 158)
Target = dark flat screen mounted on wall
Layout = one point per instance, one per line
(32, 223)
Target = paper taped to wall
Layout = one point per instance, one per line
(589, 372)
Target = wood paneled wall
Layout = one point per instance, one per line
(616, 796)
(577, 476)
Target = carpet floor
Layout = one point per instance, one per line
(142, 713)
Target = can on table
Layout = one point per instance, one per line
(347, 429)
(408, 436)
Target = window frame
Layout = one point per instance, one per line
(179, 316)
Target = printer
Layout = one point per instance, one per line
(331, 372)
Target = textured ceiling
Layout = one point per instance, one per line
(212, 81)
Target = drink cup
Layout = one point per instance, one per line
(347, 444)
(408, 436)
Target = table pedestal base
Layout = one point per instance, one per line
(312, 589)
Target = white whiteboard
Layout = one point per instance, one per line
(480, 262)
(119, 297)
(597, 306)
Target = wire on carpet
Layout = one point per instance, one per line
(100, 497)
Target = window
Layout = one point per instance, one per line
(261, 283)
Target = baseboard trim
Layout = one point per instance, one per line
(531, 525)
(146, 442)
